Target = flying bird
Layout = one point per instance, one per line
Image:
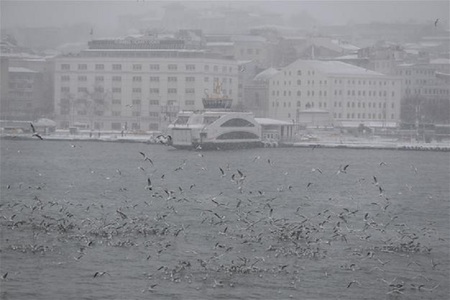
(34, 132)
(164, 139)
(149, 184)
(146, 157)
(436, 22)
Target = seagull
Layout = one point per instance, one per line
(146, 158)
(352, 282)
(436, 22)
(149, 184)
(164, 139)
(35, 133)
(98, 274)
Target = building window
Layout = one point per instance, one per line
(116, 101)
(65, 78)
(136, 113)
(299, 93)
(136, 90)
(298, 103)
(99, 89)
(116, 67)
(189, 102)
(154, 79)
(190, 79)
(82, 67)
(154, 91)
(82, 90)
(65, 67)
(172, 79)
(171, 102)
(154, 67)
(190, 67)
(65, 89)
(116, 90)
(137, 78)
(171, 91)
(82, 78)
(99, 78)
(190, 91)
(136, 102)
(137, 67)
(116, 114)
(99, 66)
(206, 67)
(154, 102)
(116, 78)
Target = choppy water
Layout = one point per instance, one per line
(78, 222)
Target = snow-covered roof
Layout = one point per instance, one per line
(266, 74)
(267, 121)
(248, 38)
(20, 70)
(214, 44)
(340, 68)
(440, 61)
(372, 124)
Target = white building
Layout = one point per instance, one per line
(352, 95)
(137, 84)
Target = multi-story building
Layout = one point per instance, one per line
(24, 88)
(350, 94)
(4, 83)
(425, 91)
(137, 83)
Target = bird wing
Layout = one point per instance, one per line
(32, 127)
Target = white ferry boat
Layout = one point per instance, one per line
(216, 127)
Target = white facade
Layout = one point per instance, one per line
(142, 89)
(351, 94)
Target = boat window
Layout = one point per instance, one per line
(209, 120)
(182, 120)
(237, 135)
(236, 122)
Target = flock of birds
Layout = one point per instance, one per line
(245, 229)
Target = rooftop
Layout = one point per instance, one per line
(20, 70)
(340, 68)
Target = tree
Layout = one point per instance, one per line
(93, 104)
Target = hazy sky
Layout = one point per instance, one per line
(103, 13)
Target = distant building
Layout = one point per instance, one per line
(242, 48)
(137, 83)
(383, 58)
(352, 95)
(24, 88)
(425, 91)
(256, 93)
(4, 81)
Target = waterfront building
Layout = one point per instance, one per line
(137, 83)
(352, 95)
(25, 90)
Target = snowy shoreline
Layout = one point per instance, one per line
(344, 144)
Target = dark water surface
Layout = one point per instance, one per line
(78, 221)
